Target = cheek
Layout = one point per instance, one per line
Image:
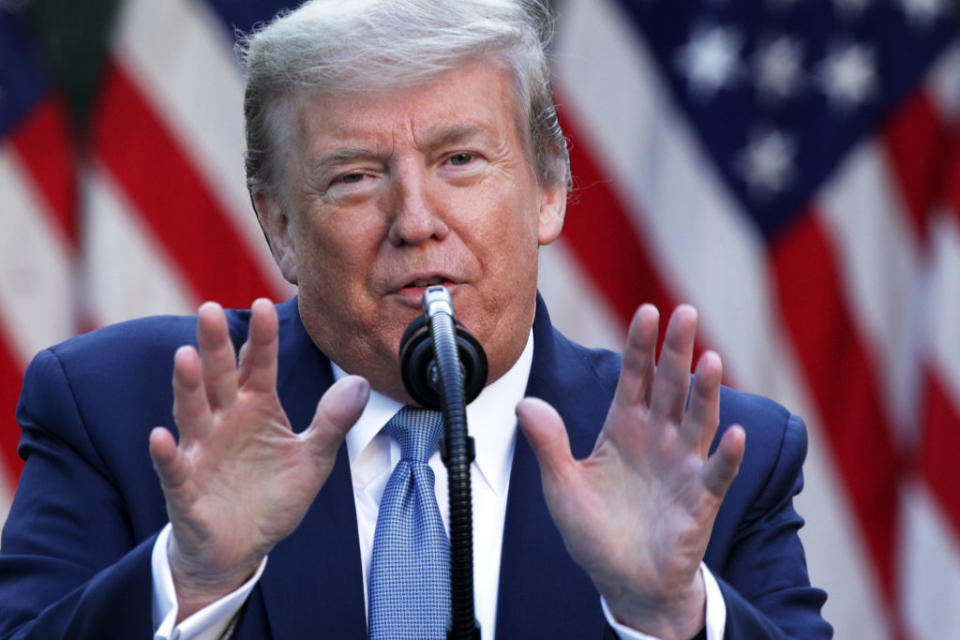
(336, 242)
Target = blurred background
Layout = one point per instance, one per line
(790, 167)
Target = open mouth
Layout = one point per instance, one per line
(413, 290)
(427, 282)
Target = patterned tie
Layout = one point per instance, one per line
(410, 569)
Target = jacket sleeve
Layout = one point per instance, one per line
(760, 566)
(70, 566)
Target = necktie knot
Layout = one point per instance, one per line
(417, 431)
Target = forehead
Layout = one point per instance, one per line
(473, 101)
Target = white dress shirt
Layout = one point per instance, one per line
(492, 423)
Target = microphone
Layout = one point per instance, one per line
(418, 364)
(444, 367)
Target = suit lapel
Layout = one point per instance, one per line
(312, 585)
(543, 593)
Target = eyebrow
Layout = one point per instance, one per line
(320, 165)
(453, 134)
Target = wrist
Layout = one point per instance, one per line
(198, 584)
(678, 616)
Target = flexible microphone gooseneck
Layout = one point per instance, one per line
(444, 367)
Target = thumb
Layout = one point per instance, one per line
(337, 411)
(544, 429)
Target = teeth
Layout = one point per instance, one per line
(427, 282)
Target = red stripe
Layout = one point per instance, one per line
(842, 380)
(941, 441)
(919, 147)
(599, 230)
(43, 143)
(11, 379)
(173, 200)
(953, 178)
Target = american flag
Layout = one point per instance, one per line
(790, 167)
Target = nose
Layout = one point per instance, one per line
(413, 208)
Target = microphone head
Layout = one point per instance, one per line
(418, 367)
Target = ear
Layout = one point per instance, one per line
(276, 227)
(553, 208)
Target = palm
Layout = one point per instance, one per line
(240, 480)
(637, 513)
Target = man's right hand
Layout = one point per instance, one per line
(240, 479)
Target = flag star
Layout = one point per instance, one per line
(767, 162)
(710, 60)
(848, 76)
(779, 67)
(922, 13)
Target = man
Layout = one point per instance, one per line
(393, 145)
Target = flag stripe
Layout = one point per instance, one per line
(609, 251)
(915, 141)
(174, 202)
(842, 380)
(35, 284)
(43, 143)
(878, 261)
(940, 445)
(115, 236)
(208, 131)
(11, 377)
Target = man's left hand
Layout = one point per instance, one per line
(638, 512)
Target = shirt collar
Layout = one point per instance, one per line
(490, 418)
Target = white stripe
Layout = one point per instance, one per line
(930, 584)
(576, 307)
(943, 302)
(944, 84)
(35, 277)
(6, 498)
(715, 258)
(127, 272)
(878, 262)
(181, 57)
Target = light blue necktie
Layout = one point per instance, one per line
(410, 568)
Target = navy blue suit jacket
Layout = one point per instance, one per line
(75, 554)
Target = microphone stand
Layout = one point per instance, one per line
(447, 377)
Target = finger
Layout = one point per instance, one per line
(723, 465)
(216, 355)
(191, 408)
(337, 411)
(170, 463)
(544, 430)
(703, 413)
(258, 367)
(637, 370)
(671, 382)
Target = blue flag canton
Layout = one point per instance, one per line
(24, 78)
(780, 90)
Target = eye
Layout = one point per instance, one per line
(460, 159)
(350, 178)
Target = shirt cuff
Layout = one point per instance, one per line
(716, 616)
(208, 623)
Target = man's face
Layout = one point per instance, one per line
(396, 190)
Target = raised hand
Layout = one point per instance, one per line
(637, 513)
(240, 479)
